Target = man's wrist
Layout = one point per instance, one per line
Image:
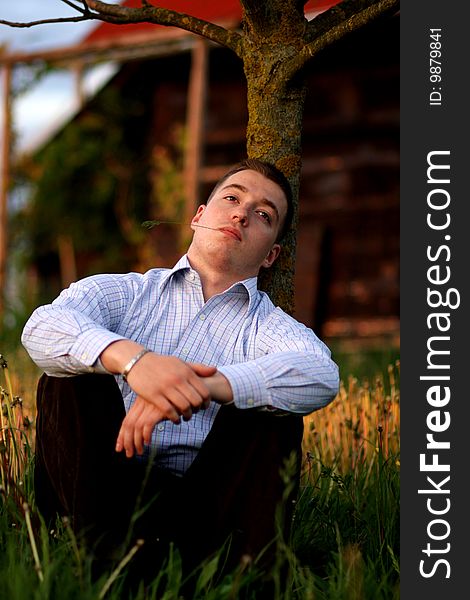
(134, 360)
(220, 388)
(117, 356)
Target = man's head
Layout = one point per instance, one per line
(237, 231)
(273, 174)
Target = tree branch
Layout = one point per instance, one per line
(264, 18)
(81, 9)
(331, 26)
(45, 21)
(254, 12)
(112, 13)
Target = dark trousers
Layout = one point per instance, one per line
(232, 489)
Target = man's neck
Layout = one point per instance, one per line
(214, 280)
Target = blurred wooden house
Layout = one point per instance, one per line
(347, 274)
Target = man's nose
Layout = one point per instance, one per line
(240, 215)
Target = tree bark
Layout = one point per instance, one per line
(274, 135)
(273, 35)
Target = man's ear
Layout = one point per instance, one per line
(198, 214)
(271, 257)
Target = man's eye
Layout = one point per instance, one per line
(264, 215)
(230, 198)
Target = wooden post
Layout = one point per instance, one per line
(68, 265)
(195, 121)
(5, 182)
(78, 69)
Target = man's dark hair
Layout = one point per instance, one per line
(273, 174)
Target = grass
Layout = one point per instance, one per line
(345, 534)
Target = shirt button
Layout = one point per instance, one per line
(250, 401)
(160, 427)
(184, 351)
(192, 276)
(202, 317)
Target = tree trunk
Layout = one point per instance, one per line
(275, 110)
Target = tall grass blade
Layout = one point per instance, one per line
(32, 540)
(115, 574)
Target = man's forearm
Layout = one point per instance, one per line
(68, 336)
(60, 347)
(219, 388)
(297, 382)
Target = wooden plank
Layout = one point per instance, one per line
(116, 49)
(195, 121)
(78, 69)
(5, 182)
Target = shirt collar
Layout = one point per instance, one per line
(250, 285)
(182, 265)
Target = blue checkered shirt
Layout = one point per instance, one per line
(272, 361)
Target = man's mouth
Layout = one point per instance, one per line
(232, 232)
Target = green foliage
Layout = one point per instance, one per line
(364, 363)
(168, 185)
(91, 185)
(168, 193)
(352, 517)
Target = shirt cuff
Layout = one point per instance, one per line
(248, 386)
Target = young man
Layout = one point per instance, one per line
(206, 366)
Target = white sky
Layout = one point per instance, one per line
(47, 104)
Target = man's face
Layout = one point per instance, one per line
(246, 212)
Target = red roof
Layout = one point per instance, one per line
(222, 12)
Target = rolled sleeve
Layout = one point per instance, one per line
(248, 384)
(297, 382)
(67, 336)
(89, 346)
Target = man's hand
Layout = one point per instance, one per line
(136, 429)
(167, 389)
